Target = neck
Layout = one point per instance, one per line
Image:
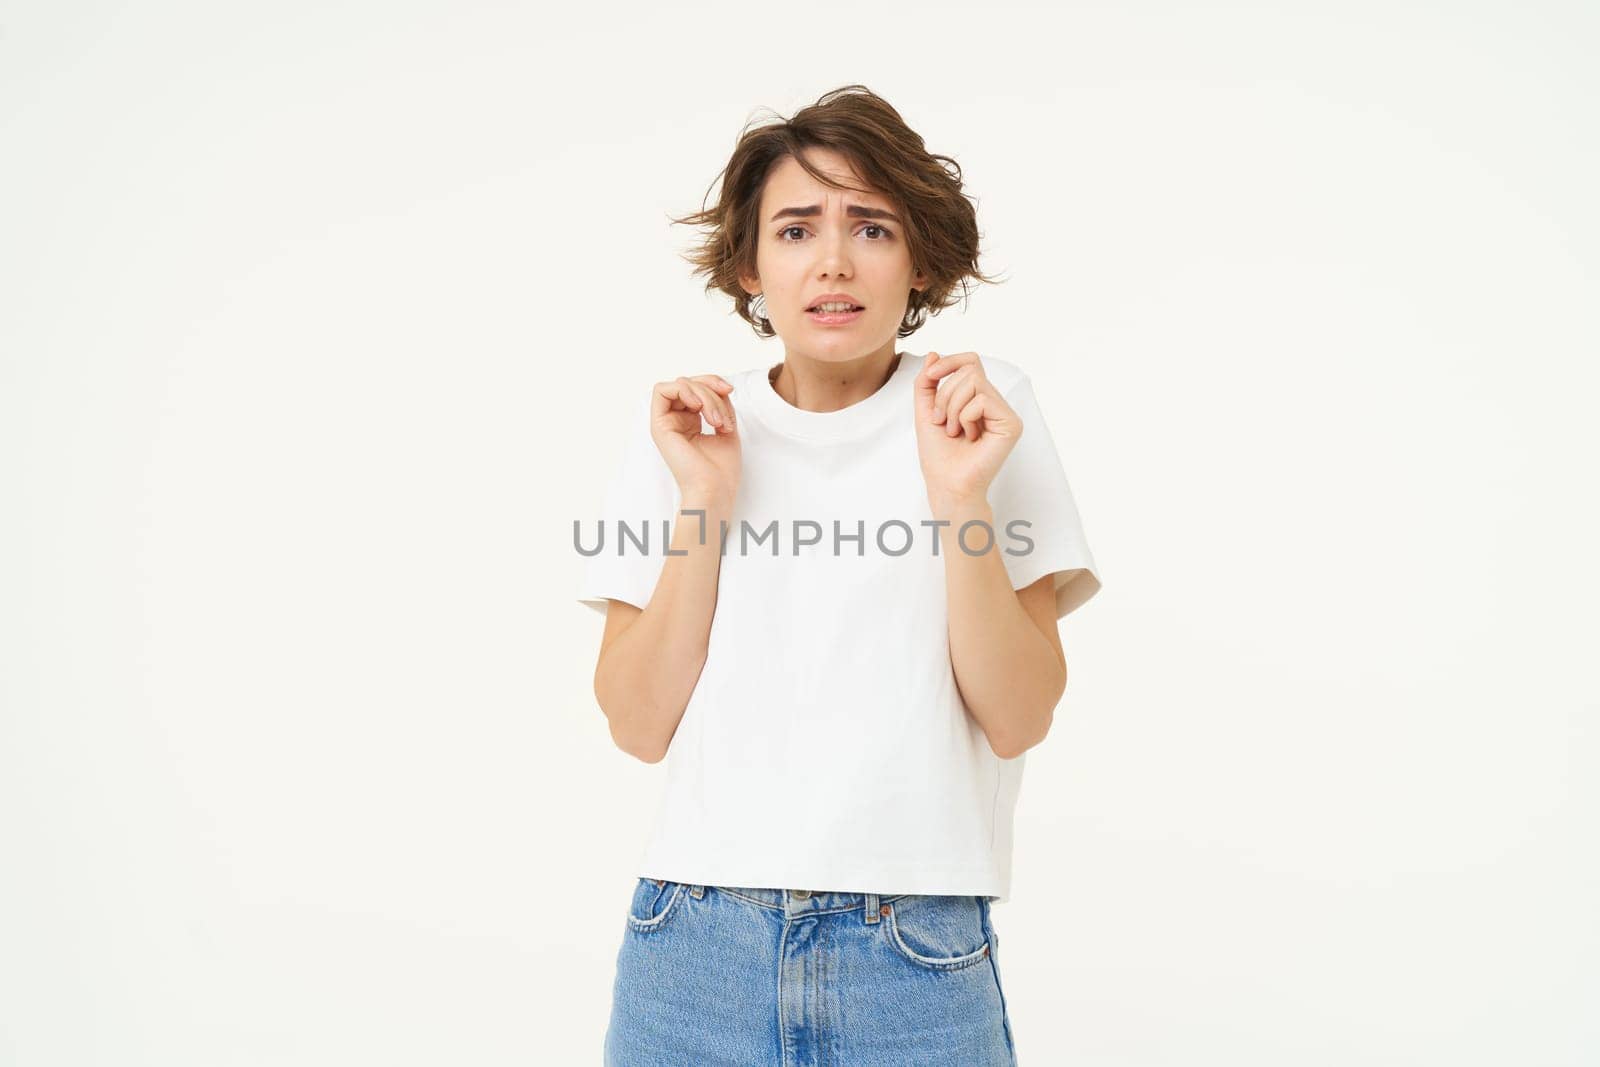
(822, 385)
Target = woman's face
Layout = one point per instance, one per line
(817, 240)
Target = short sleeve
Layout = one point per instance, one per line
(642, 495)
(1031, 492)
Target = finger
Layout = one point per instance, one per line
(951, 363)
(924, 391)
(997, 408)
(708, 401)
(955, 426)
(686, 395)
(690, 392)
(719, 396)
(668, 407)
(961, 392)
(972, 416)
(667, 399)
(722, 384)
(720, 387)
(719, 413)
(941, 400)
(998, 416)
(723, 407)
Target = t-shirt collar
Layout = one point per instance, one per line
(857, 420)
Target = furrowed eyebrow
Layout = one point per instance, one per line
(855, 211)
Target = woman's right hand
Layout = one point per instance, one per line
(703, 463)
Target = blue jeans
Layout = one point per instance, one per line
(725, 976)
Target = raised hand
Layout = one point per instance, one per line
(703, 463)
(965, 429)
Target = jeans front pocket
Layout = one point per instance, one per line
(654, 901)
(940, 933)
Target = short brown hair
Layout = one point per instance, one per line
(940, 220)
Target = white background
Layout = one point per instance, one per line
(319, 326)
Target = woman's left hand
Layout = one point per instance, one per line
(965, 429)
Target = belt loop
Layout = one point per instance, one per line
(872, 908)
(697, 891)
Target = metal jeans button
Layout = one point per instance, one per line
(800, 894)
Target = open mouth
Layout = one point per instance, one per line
(834, 318)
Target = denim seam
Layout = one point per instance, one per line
(953, 963)
(994, 970)
(779, 907)
(645, 926)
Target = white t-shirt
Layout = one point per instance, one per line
(826, 745)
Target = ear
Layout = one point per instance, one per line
(750, 285)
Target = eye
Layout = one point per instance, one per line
(783, 234)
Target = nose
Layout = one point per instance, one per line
(834, 252)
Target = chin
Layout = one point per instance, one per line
(835, 346)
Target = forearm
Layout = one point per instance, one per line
(647, 673)
(1007, 671)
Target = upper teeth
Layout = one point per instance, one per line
(834, 307)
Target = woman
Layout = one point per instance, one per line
(850, 639)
